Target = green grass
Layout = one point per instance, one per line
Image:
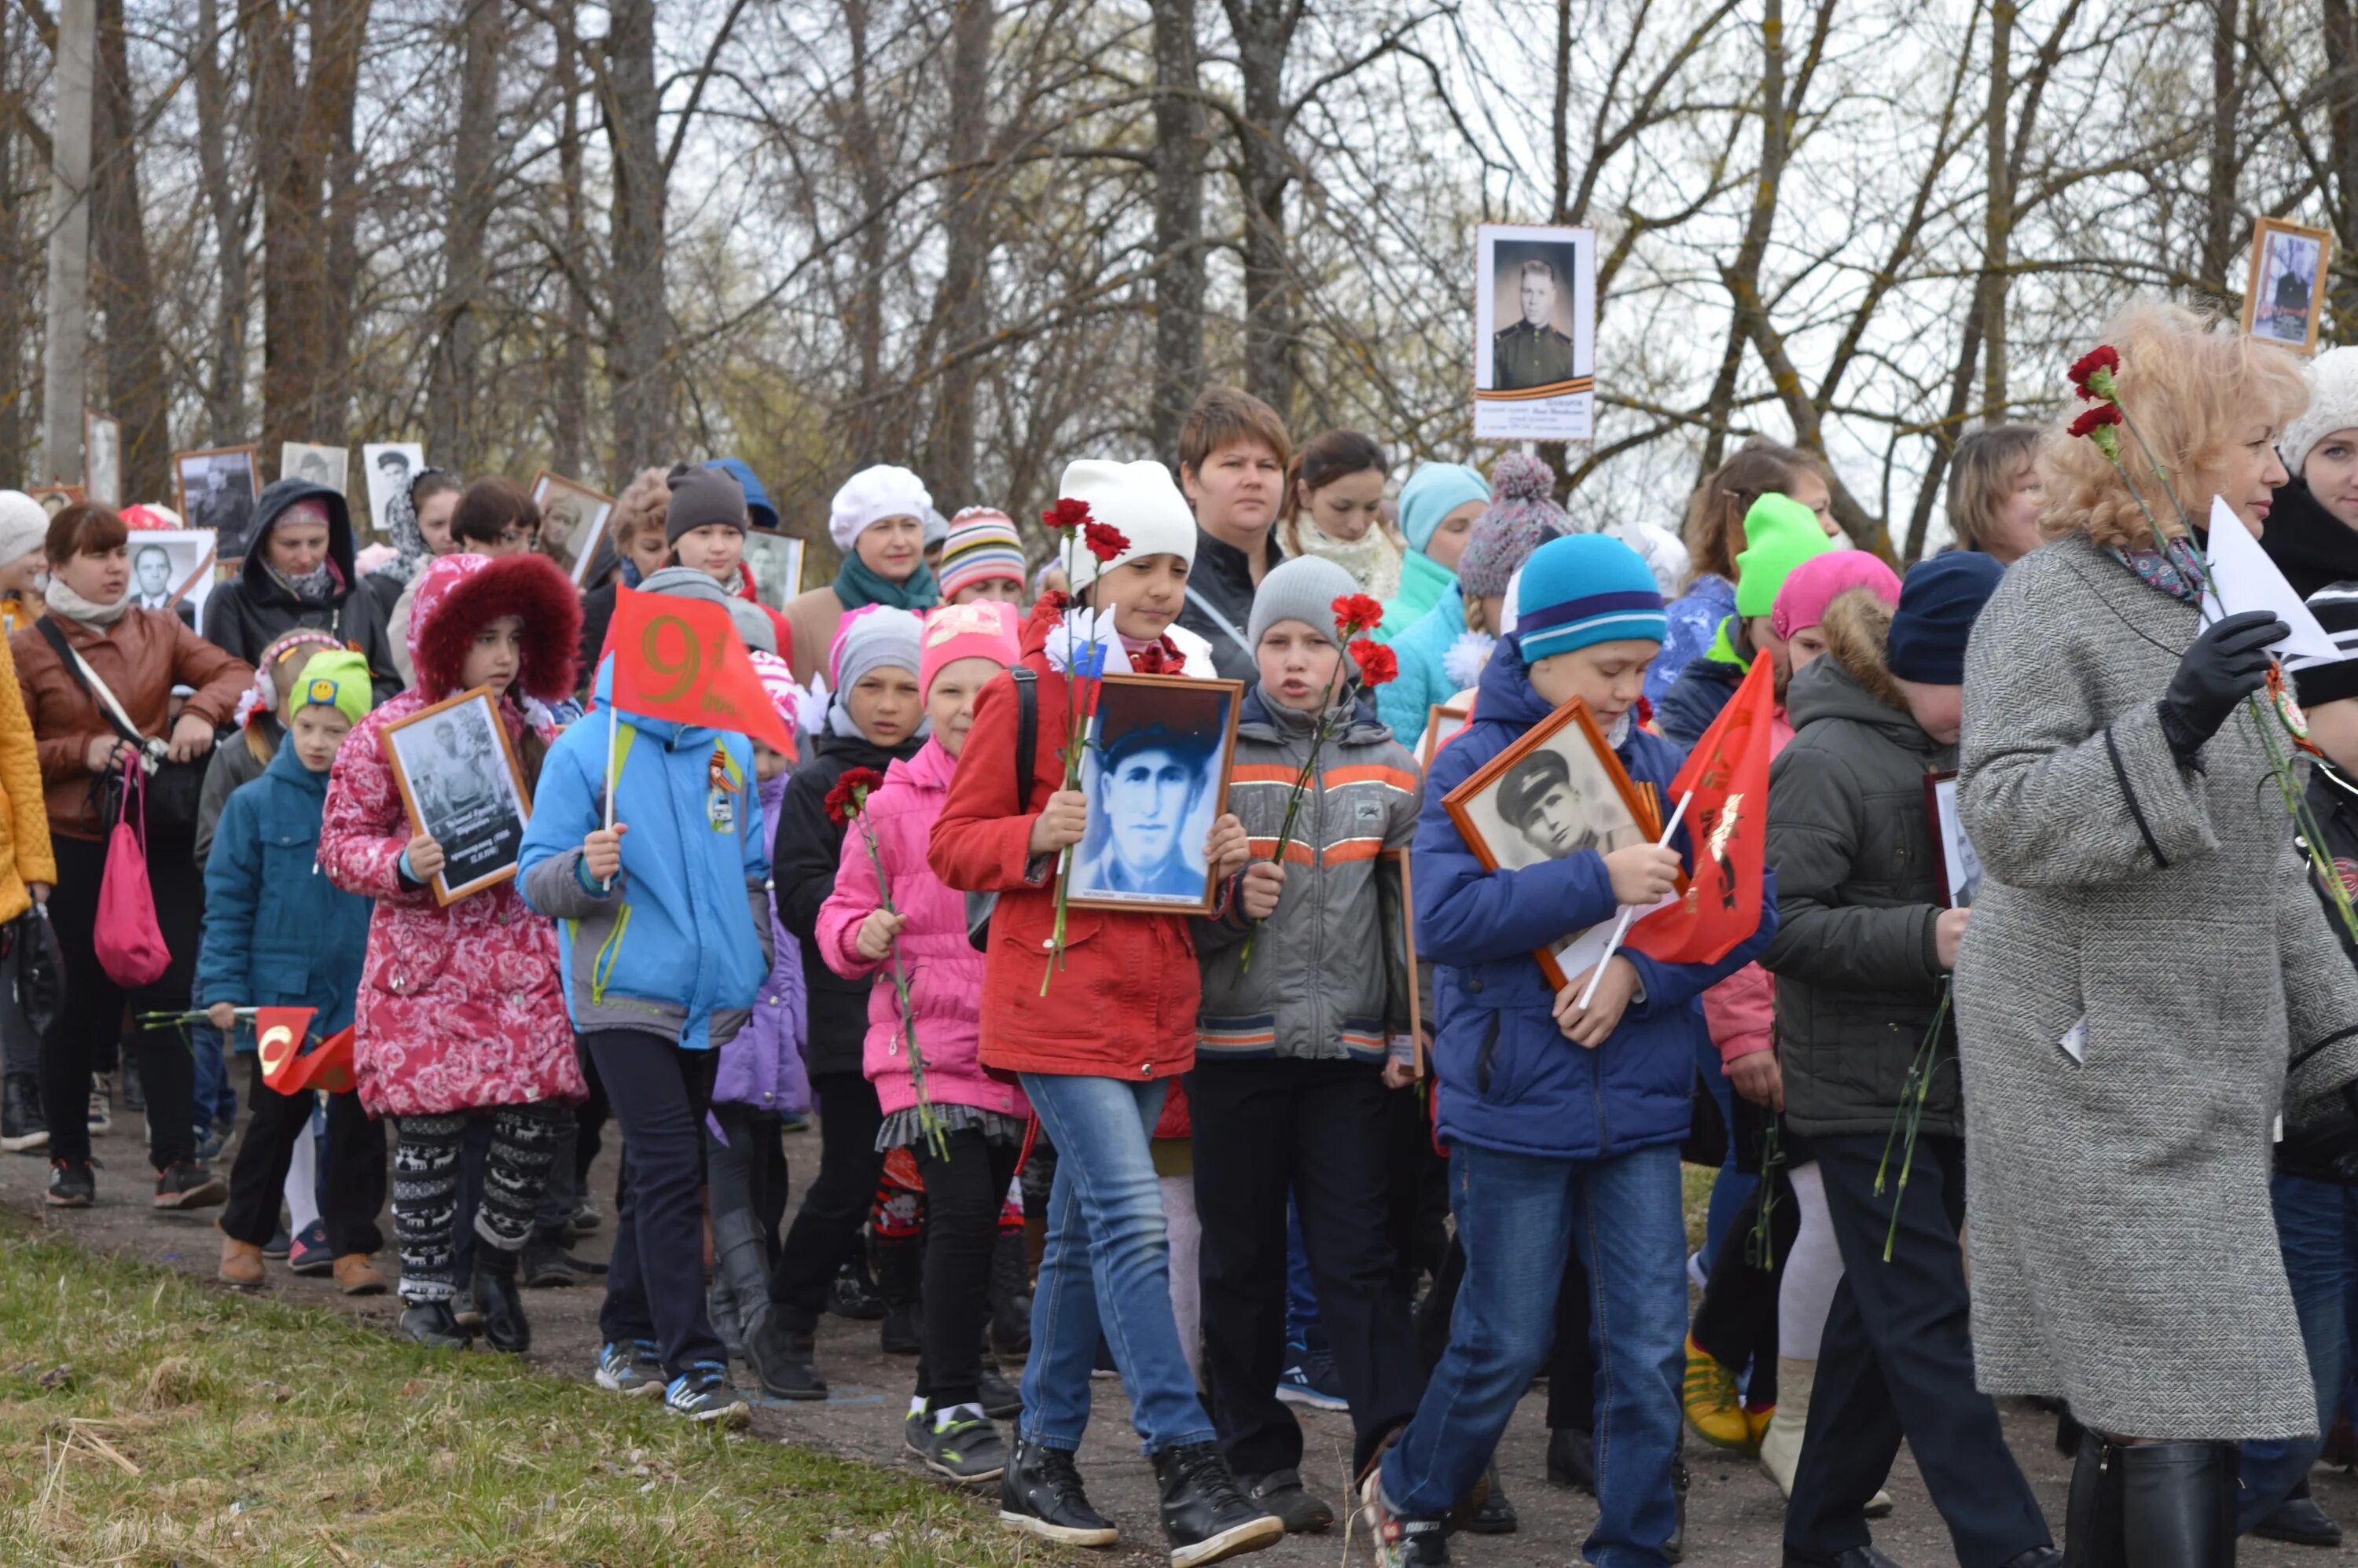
(253, 1432)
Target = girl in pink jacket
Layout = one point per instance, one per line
(964, 646)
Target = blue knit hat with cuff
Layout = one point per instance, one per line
(1939, 602)
(1585, 589)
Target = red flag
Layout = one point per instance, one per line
(1727, 823)
(280, 1033)
(327, 1067)
(681, 659)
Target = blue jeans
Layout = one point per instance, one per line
(1301, 1293)
(1107, 1269)
(214, 1098)
(2317, 1223)
(1516, 1217)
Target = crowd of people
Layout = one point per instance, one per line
(1332, 1136)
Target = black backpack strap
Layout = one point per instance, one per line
(47, 626)
(1027, 733)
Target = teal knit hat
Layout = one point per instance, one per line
(1779, 534)
(1583, 589)
(1431, 494)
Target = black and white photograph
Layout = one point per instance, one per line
(2285, 298)
(386, 468)
(463, 788)
(1960, 868)
(1156, 776)
(315, 465)
(776, 563)
(172, 569)
(572, 520)
(216, 488)
(1534, 330)
(56, 498)
(101, 457)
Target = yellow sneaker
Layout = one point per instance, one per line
(1711, 1405)
(1755, 1424)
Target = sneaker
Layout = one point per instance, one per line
(185, 1184)
(101, 1103)
(544, 1264)
(702, 1394)
(70, 1184)
(1309, 1381)
(634, 1369)
(1040, 1494)
(279, 1245)
(794, 1121)
(1711, 1405)
(1399, 1543)
(1000, 1398)
(309, 1253)
(464, 1310)
(958, 1444)
(1281, 1492)
(209, 1142)
(851, 1294)
(1205, 1517)
(782, 1360)
(585, 1218)
(22, 1128)
(1495, 1515)
(1698, 1271)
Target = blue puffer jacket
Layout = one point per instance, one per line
(1507, 1077)
(1405, 702)
(680, 945)
(277, 931)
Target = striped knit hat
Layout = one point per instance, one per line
(1585, 589)
(982, 545)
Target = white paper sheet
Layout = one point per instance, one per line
(2243, 578)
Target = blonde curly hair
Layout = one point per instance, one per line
(646, 503)
(2193, 389)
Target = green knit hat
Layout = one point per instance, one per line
(1780, 534)
(339, 680)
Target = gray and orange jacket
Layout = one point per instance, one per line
(1329, 980)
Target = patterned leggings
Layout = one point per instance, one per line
(426, 1191)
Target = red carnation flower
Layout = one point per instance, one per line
(850, 795)
(1102, 540)
(2093, 371)
(1356, 613)
(1066, 514)
(1379, 665)
(1052, 603)
(2091, 420)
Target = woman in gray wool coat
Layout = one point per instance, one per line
(2147, 990)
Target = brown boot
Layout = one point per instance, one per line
(240, 1263)
(355, 1276)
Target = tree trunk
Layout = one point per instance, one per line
(452, 421)
(16, 284)
(338, 30)
(965, 310)
(1178, 224)
(2340, 94)
(1264, 29)
(638, 351)
(231, 211)
(1998, 225)
(570, 443)
(2222, 208)
(63, 348)
(124, 282)
(1561, 120)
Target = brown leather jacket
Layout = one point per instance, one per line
(141, 658)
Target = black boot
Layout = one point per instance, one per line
(898, 1261)
(780, 1356)
(22, 1129)
(1205, 1516)
(497, 1298)
(2092, 1513)
(2177, 1504)
(1572, 1459)
(431, 1323)
(1040, 1494)
(1011, 1297)
(2299, 1521)
(852, 1294)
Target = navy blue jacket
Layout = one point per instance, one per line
(1507, 1077)
(279, 933)
(1695, 699)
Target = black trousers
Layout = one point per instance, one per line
(1736, 1322)
(963, 1197)
(1898, 1360)
(655, 1282)
(826, 1231)
(90, 1018)
(1320, 1130)
(1418, 1196)
(354, 1191)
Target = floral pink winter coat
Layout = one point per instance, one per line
(944, 972)
(460, 1007)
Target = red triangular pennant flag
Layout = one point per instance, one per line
(280, 1033)
(1727, 774)
(327, 1067)
(681, 659)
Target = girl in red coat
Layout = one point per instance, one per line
(1095, 1053)
(461, 1013)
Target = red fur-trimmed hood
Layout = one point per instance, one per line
(457, 595)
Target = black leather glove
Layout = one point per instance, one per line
(2227, 663)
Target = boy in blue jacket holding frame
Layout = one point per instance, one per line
(664, 930)
(1562, 1123)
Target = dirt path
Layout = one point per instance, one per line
(1733, 1512)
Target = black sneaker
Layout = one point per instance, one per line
(634, 1368)
(70, 1184)
(279, 1245)
(545, 1265)
(1281, 1492)
(185, 1184)
(1204, 1517)
(702, 1394)
(1308, 1379)
(1400, 1542)
(902, 1333)
(101, 1103)
(432, 1324)
(1497, 1516)
(958, 1444)
(782, 1360)
(1000, 1398)
(1040, 1494)
(852, 1295)
(22, 1129)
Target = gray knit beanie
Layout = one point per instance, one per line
(877, 636)
(753, 625)
(700, 497)
(2333, 378)
(1304, 588)
(1522, 515)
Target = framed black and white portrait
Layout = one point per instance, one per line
(1960, 868)
(101, 457)
(2284, 300)
(460, 781)
(1534, 333)
(572, 520)
(1156, 775)
(328, 466)
(172, 569)
(775, 562)
(386, 468)
(56, 498)
(216, 488)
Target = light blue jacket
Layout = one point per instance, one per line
(1404, 702)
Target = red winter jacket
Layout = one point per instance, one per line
(1124, 1005)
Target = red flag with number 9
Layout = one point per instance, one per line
(681, 659)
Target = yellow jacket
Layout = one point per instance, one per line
(25, 853)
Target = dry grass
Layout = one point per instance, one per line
(147, 1419)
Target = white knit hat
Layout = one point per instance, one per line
(2333, 379)
(872, 496)
(1139, 501)
(24, 526)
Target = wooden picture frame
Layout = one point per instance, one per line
(1193, 716)
(56, 498)
(578, 550)
(2279, 251)
(1570, 735)
(228, 514)
(1960, 866)
(480, 841)
(1429, 744)
(1399, 860)
(102, 459)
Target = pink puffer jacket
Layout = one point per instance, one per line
(944, 972)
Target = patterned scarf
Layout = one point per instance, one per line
(2175, 572)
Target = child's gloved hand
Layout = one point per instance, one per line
(1226, 848)
(1643, 874)
(1264, 881)
(1588, 1026)
(876, 933)
(222, 1015)
(602, 853)
(1061, 822)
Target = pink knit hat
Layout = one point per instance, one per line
(985, 629)
(777, 684)
(1816, 582)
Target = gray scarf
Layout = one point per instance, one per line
(63, 601)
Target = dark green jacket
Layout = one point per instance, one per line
(1858, 979)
